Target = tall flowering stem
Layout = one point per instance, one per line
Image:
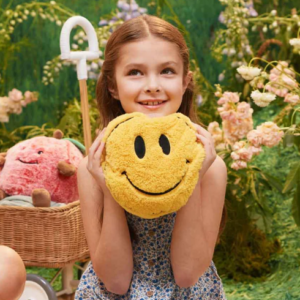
(237, 134)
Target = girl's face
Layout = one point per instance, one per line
(149, 77)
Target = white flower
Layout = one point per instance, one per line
(248, 73)
(262, 99)
(274, 12)
(295, 43)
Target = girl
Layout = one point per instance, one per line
(146, 69)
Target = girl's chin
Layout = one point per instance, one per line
(155, 114)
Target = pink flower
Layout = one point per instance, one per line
(239, 145)
(255, 150)
(216, 132)
(229, 97)
(229, 115)
(235, 132)
(239, 164)
(15, 95)
(292, 98)
(244, 110)
(271, 134)
(276, 89)
(234, 156)
(281, 80)
(242, 154)
(260, 85)
(30, 96)
(255, 137)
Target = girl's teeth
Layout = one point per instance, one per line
(152, 103)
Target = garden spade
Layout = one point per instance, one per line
(81, 57)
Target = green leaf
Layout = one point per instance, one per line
(273, 181)
(291, 178)
(296, 201)
(254, 193)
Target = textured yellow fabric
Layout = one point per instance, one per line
(158, 183)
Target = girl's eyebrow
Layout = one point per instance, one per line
(138, 65)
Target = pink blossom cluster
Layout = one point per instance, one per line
(216, 132)
(282, 80)
(243, 153)
(237, 123)
(267, 134)
(236, 116)
(14, 103)
(292, 98)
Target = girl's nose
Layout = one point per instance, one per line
(152, 86)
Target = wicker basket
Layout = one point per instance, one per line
(45, 237)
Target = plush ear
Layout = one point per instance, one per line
(114, 124)
(119, 120)
(186, 120)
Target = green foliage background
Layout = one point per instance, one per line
(41, 43)
(25, 71)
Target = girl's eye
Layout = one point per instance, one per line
(168, 71)
(134, 72)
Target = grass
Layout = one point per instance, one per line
(284, 281)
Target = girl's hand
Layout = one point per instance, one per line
(94, 159)
(207, 141)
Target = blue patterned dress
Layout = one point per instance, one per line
(152, 273)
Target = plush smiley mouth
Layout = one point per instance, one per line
(148, 193)
(154, 194)
(29, 163)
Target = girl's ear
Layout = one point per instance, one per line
(187, 80)
(113, 93)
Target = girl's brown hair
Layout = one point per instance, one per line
(134, 30)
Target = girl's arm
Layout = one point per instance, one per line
(109, 244)
(197, 226)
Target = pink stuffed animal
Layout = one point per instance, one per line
(41, 167)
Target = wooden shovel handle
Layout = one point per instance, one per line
(85, 115)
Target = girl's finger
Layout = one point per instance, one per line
(98, 153)
(202, 131)
(96, 142)
(202, 139)
(208, 145)
(205, 142)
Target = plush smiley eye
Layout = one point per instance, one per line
(165, 144)
(139, 146)
(40, 152)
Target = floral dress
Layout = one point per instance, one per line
(152, 273)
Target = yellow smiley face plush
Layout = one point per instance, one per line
(151, 165)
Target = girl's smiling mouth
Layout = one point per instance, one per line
(152, 104)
